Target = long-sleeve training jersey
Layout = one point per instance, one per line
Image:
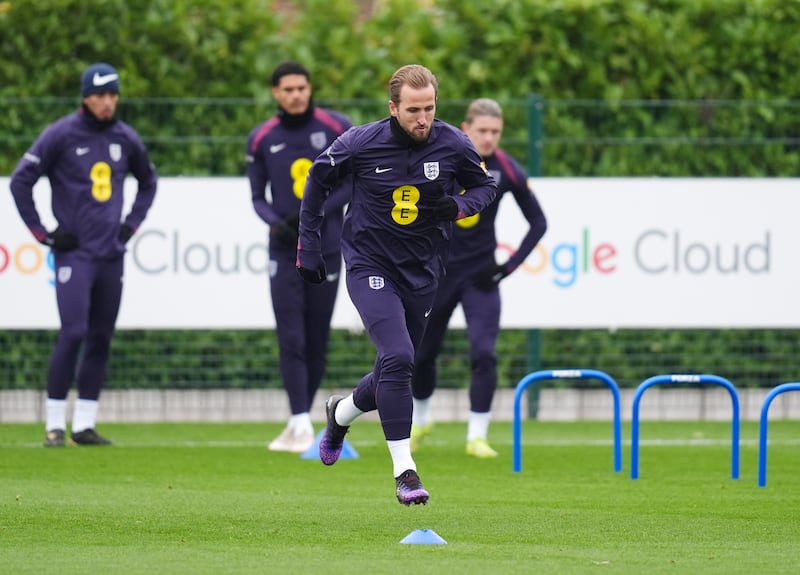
(390, 223)
(474, 239)
(87, 163)
(280, 153)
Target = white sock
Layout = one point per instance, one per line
(400, 450)
(56, 414)
(85, 415)
(478, 425)
(422, 409)
(346, 411)
(300, 423)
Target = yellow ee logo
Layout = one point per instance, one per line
(471, 221)
(100, 175)
(405, 210)
(299, 173)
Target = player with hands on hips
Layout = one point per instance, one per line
(279, 155)
(86, 156)
(395, 241)
(472, 280)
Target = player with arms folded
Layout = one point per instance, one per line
(395, 242)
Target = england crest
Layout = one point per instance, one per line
(115, 151)
(318, 140)
(376, 282)
(64, 273)
(431, 170)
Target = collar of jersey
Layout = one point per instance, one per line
(295, 120)
(402, 136)
(93, 122)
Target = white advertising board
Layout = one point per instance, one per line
(618, 252)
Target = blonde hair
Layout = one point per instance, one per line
(412, 75)
(483, 107)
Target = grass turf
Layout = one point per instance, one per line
(209, 498)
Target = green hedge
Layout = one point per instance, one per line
(604, 49)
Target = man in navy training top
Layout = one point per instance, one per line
(472, 280)
(279, 154)
(395, 242)
(86, 156)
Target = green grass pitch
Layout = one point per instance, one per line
(210, 498)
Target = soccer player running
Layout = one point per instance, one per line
(279, 154)
(472, 280)
(86, 156)
(395, 243)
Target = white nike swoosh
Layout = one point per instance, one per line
(102, 80)
(380, 170)
(81, 151)
(276, 148)
(427, 313)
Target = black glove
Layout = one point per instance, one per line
(61, 241)
(445, 209)
(315, 276)
(311, 266)
(488, 278)
(125, 233)
(285, 231)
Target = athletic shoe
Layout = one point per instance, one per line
(54, 438)
(89, 437)
(292, 442)
(418, 435)
(330, 446)
(480, 448)
(410, 489)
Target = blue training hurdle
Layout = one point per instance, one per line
(703, 379)
(537, 376)
(762, 428)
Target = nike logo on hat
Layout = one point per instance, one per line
(103, 79)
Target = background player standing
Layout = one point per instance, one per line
(472, 279)
(279, 154)
(86, 156)
(395, 240)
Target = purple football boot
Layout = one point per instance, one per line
(330, 446)
(410, 489)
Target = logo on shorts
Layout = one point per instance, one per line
(431, 170)
(64, 273)
(376, 282)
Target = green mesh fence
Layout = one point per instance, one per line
(249, 359)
